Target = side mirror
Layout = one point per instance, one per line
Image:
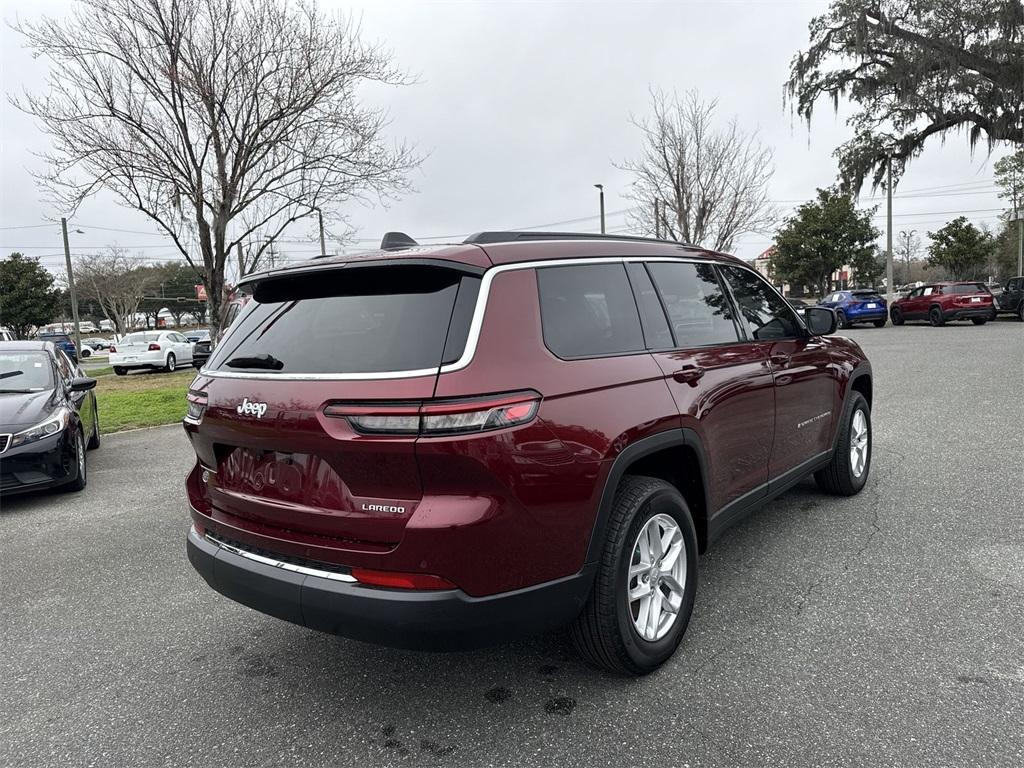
(821, 321)
(82, 383)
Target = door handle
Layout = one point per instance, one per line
(689, 374)
(780, 361)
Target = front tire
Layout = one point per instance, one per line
(81, 473)
(171, 363)
(650, 548)
(94, 441)
(1020, 311)
(848, 471)
(935, 317)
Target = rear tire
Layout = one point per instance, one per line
(605, 632)
(841, 321)
(171, 363)
(880, 323)
(935, 317)
(120, 371)
(897, 317)
(85, 352)
(841, 477)
(979, 320)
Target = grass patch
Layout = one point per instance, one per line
(106, 371)
(141, 399)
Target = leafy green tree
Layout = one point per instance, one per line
(27, 295)
(960, 248)
(821, 237)
(1004, 253)
(1009, 176)
(916, 68)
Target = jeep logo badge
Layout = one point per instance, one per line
(248, 408)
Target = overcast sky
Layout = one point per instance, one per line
(521, 107)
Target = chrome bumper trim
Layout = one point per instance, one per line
(306, 571)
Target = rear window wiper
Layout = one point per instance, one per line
(256, 361)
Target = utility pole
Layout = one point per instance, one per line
(71, 286)
(323, 245)
(600, 188)
(657, 220)
(890, 294)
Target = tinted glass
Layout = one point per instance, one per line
(25, 370)
(358, 320)
(588, 311)
(698, 310)
(140, 338)
(56, 338)
(766, 314)
(652, 315)
(960, 290)
(865, 294)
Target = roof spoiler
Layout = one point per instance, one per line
(396, 241)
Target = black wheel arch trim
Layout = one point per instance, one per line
(646, 446)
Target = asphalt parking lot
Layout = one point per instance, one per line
(886, 629)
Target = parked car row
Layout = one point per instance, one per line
(937, 303)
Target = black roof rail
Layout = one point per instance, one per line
(483, 238)
(396, 241)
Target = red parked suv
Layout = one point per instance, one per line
(939, 303)
(448, 446)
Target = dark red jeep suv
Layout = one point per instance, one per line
(448, 446)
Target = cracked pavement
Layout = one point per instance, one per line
(880, 630)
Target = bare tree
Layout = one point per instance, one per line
(908, 249)
(117, 282)
(710, 184)
(224, 121)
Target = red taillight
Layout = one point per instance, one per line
(441, 417)
(154, 347)
(397, 580)
(112, 349)
(196, 404)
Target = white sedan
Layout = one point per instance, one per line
(150, 349)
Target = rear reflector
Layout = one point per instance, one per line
(440, 417)
(396, 580)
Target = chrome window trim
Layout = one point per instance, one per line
(306, 571)
(475, 326)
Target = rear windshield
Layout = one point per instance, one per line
(865, 294)
(55, 337)
(140, 338)
(354, 320)
(959, 290)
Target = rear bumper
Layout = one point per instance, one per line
(421, 620)
(966, 313)
(867, 316)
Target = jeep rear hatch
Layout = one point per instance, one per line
(350, 336)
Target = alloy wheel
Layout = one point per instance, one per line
(656, 579)
(859, 443)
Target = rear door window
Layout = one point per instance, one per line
(349, 320)
(698, 310)
(652, 314)
(588, 311)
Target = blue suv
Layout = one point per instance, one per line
(63, 342)
(862, 305)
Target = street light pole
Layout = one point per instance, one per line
(323, 246)
(601, 190)
(888, 229)
(71, 286)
